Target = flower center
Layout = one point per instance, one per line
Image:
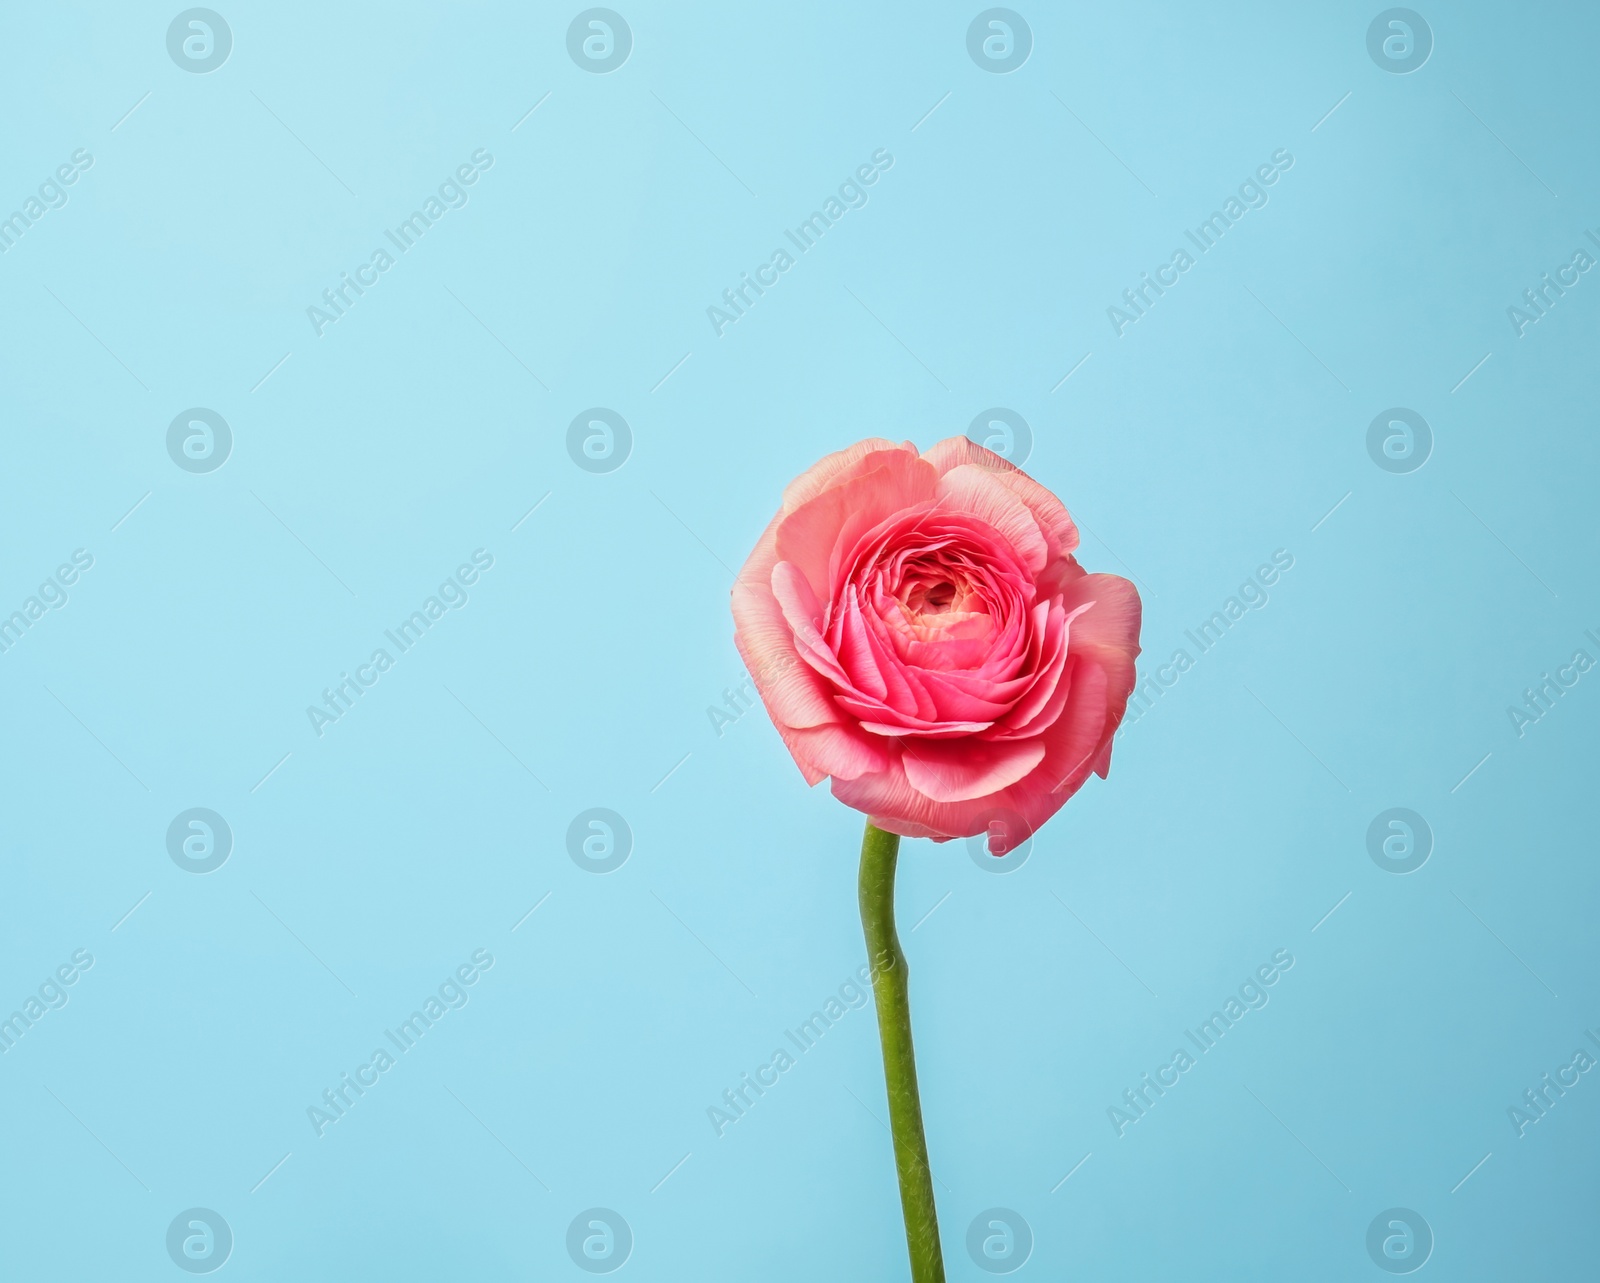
(933, 591)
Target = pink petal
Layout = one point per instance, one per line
(1051, 513)
(833, 468)
(980, 493)
(766, 641)
(882, 484)
(1114, 622)
(960, 770)
(840, 751)
(1043, 703)
(1076, 737)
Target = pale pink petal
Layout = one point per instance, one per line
(894, 806)
(789, 687)
(843, 752)
(1114, 621)
(904, 725)
(960, 770)
(980, 493)
(829, 469)
(878, 486)
(954, 452)
(1108, 636)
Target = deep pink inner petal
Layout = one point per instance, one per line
(932, 626)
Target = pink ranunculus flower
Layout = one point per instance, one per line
(920, 631)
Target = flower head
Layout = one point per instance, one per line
(920, 631)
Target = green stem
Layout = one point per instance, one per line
(879, 851)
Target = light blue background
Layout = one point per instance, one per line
(426, 423)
